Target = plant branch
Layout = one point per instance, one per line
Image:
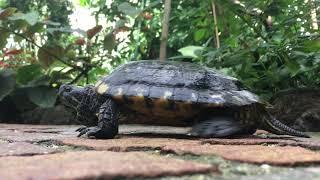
(44, 49)
(215, 23)
(82, 73)
(165, 28)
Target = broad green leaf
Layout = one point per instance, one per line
(120, 23)
(312, 45)
(43, 96)
(67, 30)
(43, 80)
(4, 13)
(109, 42)
(3, 38)
(154, 3)
(293, 67)
(200, 34)
(31, 18)
(37, 28)
(127, 9)
(7, 82)
(26, 74)
(47, 55)
(191, 51)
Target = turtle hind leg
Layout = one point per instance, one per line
(107, 126)
(219, 126)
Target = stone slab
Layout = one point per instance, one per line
(247, 150)
(255, 140)
(22, 149)
(34, 136)
(127, 143)
(257, 154)
(97, 164)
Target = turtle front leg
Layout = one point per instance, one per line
(107, 127)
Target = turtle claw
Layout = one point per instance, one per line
(80, 129)
(97, 132)
(88, 131)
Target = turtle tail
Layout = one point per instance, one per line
(275, 126)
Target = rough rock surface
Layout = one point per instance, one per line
(54, 152)
(298, 108)
(96, 164)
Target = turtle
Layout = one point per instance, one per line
(173, 93)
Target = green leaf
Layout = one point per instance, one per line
(191, 51)
(37, 28)
(109, 42)
(26, 74)
(7, 82)
(120, 23)
(66, 30)
(42, 96)
(293, 67)
(45, 58)
(312, 45)
(84, 2)
(31, 18)
(4, 13)
(3, 38)
(200, 34)
(127, 9)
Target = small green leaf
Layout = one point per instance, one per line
(26, 74)
(127, 9)
(42, 96)
(31, 18)
(191, 51)
(7, 82)
(109, 42)
(120, 23)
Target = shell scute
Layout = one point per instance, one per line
(162, 82)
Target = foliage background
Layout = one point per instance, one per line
(269, 45)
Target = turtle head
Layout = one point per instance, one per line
(82, 100)
(71, 96)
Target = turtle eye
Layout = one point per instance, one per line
(68, 88)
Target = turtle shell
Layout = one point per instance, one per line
(170, 88)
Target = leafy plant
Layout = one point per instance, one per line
(269, 45)
(265, 44)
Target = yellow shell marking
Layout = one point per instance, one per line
(161, 108)
(102, 88)
(119, 92)
(98, 83)
(167, 94)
